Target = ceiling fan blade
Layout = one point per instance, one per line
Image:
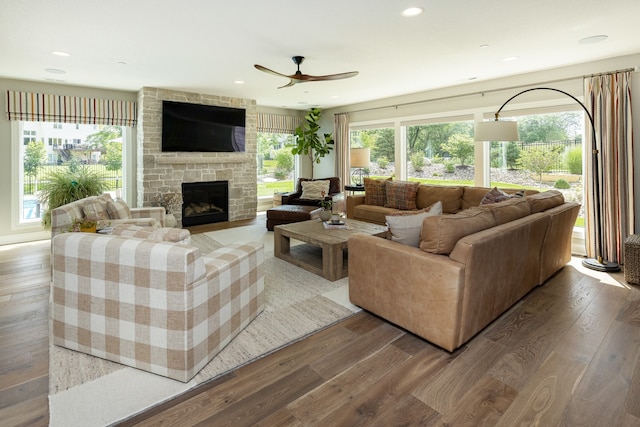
(291, 83)
(266, 70)
(339, 76)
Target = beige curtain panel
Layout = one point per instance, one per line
(608, 98)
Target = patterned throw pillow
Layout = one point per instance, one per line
(95, 207)
(405, 227)
(314, 189)
(118, 210)
(495, 196)
(375, 191)
(401, 195)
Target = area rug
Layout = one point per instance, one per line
(88, 391)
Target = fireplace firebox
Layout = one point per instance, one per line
(205, 202)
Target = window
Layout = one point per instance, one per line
(440, 153)
(549, 155)
(276, 166)
(100, 148)
(381, 144)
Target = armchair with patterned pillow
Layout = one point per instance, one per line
(106, 211)
(309, 192)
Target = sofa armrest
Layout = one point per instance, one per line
(287, 197)
(353, 201)
(157, 213)
(419, 291)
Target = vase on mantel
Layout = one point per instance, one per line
(170, 220)
(325, 215)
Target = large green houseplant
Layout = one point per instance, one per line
(67, 185)
(308, 142)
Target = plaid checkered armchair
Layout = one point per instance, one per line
(157, 306)
(107, 210)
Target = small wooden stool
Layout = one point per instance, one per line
(632, 259)
(286, 214)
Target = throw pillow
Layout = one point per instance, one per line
(404, 227)
(314, 189)
(401, 194)
(374, 191)
(494, 196)
(95, 207)
(118, 209)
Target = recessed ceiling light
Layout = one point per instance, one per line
(54, 71)
(239, 82)
(412, 11)
(335, 96)
(484, 46)
(593, 39)
(60, 53)
(510, 58)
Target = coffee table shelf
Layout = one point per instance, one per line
(325, 251)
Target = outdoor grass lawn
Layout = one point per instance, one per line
(268, 188)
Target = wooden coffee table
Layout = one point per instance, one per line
(325, 251)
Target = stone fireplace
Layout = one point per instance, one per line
(163, 172)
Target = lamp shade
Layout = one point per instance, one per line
(359, 157)
(496, 130)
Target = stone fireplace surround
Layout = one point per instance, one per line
(165, 172)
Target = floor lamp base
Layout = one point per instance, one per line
(601, 265)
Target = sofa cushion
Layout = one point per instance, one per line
(546, 200)
(372, 213)
(375, 191)
(441, 233)
(450, 196)
(401, 194)
(118, 209)
(405, 226)
(509, 210)
(315, 189)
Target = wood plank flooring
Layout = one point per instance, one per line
(567, 354)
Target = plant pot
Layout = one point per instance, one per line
(170, 220)
(88, 228)
(325, 215)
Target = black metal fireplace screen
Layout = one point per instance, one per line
(205, 202)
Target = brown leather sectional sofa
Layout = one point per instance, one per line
(470, 267)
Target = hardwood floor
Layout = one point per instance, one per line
(567, 354)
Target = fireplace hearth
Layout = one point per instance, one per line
(205, 202)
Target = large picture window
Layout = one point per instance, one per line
(98, 147)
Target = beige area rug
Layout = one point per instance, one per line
(88, 391)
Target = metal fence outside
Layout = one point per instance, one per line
(113, 178)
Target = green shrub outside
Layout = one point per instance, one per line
(573, 160)
(561, 184)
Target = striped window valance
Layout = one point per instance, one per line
(277, 123)
(39, 107)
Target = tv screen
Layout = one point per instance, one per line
(203, 128)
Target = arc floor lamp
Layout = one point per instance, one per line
(508, 131)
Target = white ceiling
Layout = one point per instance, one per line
(206, 45)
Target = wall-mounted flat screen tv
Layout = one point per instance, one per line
(202, 128)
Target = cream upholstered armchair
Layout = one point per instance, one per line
(153, 305)
(105, 209)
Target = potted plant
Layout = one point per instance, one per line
(172, 203)
(65, 186)
(308, 142)
(326, 206)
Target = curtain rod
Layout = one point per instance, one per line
(482, 93)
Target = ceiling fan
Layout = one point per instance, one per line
(298, 77)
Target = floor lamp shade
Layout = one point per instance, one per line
(497, 131)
